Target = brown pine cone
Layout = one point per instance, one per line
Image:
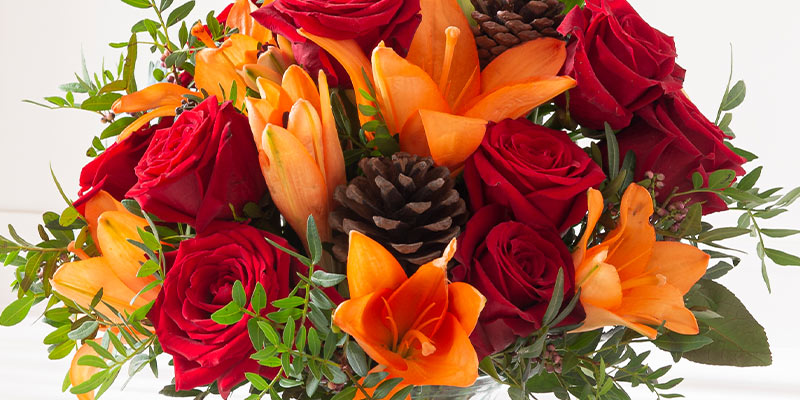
(405, 203)
(503, 24)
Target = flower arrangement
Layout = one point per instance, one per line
(371, 199)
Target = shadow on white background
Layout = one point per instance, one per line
(42, 47)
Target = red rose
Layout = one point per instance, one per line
(368, 22)
(515, 267)
(673, 138)
(112, 171)
(193, 171)
(538, 172)
(198, 283)
(620, 63)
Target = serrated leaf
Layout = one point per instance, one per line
(738, 339)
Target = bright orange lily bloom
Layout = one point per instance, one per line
(115, 270)
(81, 373)
(417, 328)
(632, 280)
(437, 98)
(302, 161)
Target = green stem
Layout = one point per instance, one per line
(163, 25)
(272, 383)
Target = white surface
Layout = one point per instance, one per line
(43, 41)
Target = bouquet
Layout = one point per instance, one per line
(394, 199)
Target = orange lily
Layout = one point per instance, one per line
(437, 98)
(302, 161)
(81, 373)
(630, 279)
(417, 328)
(218, 67)
(115, 270)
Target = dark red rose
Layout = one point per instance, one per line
(620, 63)
(514, 266)
(538, 172)
(673, 138)
(368, 22)
(198, 283)
(113, 171)
(193, 171)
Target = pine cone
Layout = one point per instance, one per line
(503, 24)
(404, 203)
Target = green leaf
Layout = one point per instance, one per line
(770, 213)
(721, 179)
(257, 381)
(288, 332)
(326, 279)
(556, 299)
(374, 378)
(750, 179)
(149, 239)
(148, 268)
(138, 3)
(116, 127)
(238, 294)
(16, 311)
(57, 336)
(357, 358)
(780, 233)
(96, 379)
(259, 298)
(92, 361)
(782, 258)
(738, 339)
(83, 331)
(314, 343)
(269, 332)
(346, 394)
(115, 86)
(129, 66)
(165, 4)
(735, 96)
(675, 342)
(403, 393)
(368, 111)
(69, 216)
(314, 241)
(789, 198)
(102, 102)
(697, 180)
(722, 234)
(180, 13)
(718, 271)
(289, 302)
(613, 152)
(228, 315)
(385, 388)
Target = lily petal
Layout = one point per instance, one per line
(113, 231)
(217, 69)
(164, 111)
(299, 85)
(454, 363)
(631, 243)
(239, 17)
(305, 125)
(517, 100)
(403, 88)
(429, 50)
(362, 318)
(466, 304)
(154, 96)
(96, 206)
(537, 58)
(79, 281)
(423, 297)
(81, 373)
(595, 204)
(657, 304)
(452, 138)
(370, 267)
(352, 58)
(597, 317)
(294, 180)
(682, 264)
(333, 165)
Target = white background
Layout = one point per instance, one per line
(42, 42)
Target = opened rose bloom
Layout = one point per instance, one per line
(417, 328)
(437, 98)
(630, 279)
